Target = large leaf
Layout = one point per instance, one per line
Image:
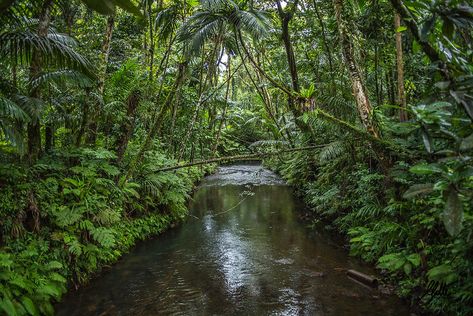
(443, 273)
(128, 5)
(29, 306)
(453, 212)
(417, 189)
(426, 169)
(7, 306)
(106, 7)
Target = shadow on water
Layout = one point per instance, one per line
(242, 252)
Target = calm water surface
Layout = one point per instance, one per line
(242, 251)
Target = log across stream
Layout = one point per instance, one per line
(242, 251)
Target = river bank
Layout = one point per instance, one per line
(243, 250)
(78, 219)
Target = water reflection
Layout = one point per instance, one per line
(239, 254)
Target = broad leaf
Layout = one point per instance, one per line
(417, 189)
(453, 212)
(426, 169)
(443, 273)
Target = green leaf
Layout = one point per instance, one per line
(443, 273)
(392, 262)
(49, 290)
(407, 268)
(467, 143)
(414, 259)
(453, 212)
(426, 169)
(128, 5)
(427, 140)
(7, 306)
(401, 29)
(29, 306)
(106, 7)
(305, 117)
(417, 189)
(52, 265)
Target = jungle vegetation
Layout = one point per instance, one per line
(97, 96)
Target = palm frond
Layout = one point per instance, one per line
(32, 106)
(57, 50)
(9, 109)
(61, 77)
(332, 151)
(216, 16)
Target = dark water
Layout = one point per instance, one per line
(242, 252)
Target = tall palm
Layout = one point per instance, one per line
(213, 15)
(35, 44)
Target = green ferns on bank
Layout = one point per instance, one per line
(71, 213)
(407, 234)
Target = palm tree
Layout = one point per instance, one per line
(35, 44)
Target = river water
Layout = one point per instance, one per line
(243, 251)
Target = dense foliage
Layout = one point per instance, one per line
(97, 96)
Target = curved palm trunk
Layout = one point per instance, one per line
(359, 90)
(400, 70)
(34, 127)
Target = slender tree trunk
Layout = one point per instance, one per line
(400, 70)
(84, 120)
(328, 51)
(151, 39)
(286, 36)
(93, 124)
(359, 89)
(265, 98)
(128, 125)
(34, 127)
(295, 102)
(376, 75)
(207, 82)
(224, 113)
(48, 137)
(158, 119)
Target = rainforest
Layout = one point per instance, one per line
(236, 157)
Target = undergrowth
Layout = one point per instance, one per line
(73, 212)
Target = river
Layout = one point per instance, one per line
(242, 251)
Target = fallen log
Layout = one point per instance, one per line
(363, 278)
(249, 157)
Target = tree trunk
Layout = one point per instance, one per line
(34, 127)
(224, 113)
(328, 51)
(48, 137)
(128, 126)
(358, 87)
(286, 36)
(151, 39)
(93, 126)
(400, 70)
(85, 118)
(158, 119)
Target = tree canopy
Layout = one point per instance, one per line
(100, 99)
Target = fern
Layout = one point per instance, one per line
(103, 236)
